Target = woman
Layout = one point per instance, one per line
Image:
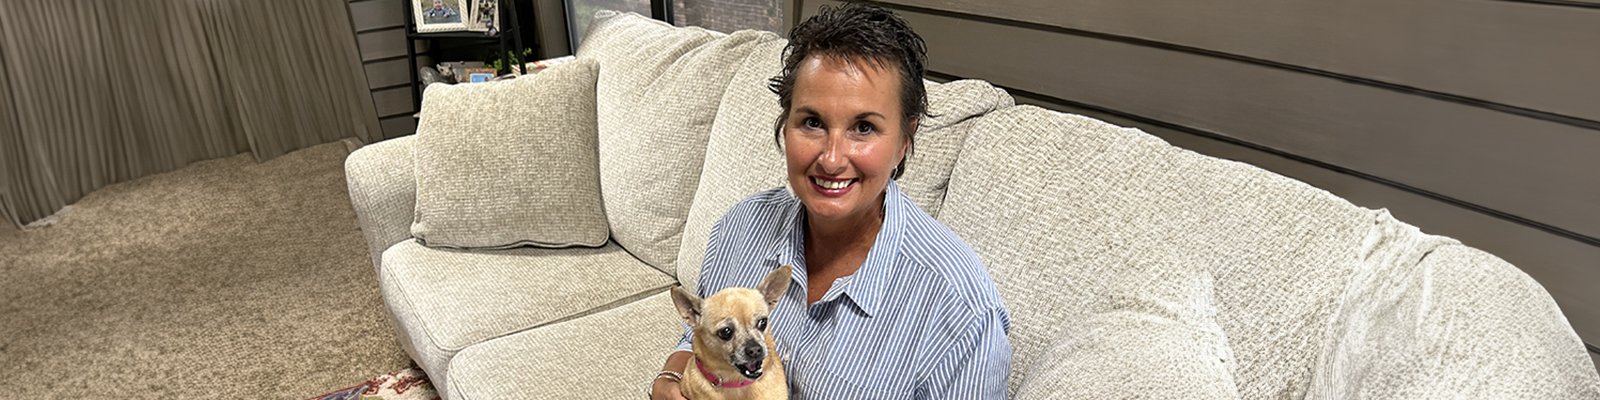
(885, 301)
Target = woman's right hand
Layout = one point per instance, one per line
(666, 389)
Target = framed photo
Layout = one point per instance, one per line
(486, 16)
(442, 15)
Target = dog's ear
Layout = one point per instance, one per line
(773, 286)
(688, 305)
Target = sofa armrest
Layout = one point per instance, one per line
(383, 190)
(1458, 323)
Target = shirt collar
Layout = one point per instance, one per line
(866, 287)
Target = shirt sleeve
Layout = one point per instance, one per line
(686, 343)
(978, 365)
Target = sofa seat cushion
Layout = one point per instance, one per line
(445, 300)
(621, 351)
(1059, 205)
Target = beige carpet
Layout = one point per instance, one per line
(226, 279)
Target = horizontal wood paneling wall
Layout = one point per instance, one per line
(1471, 119)
(1536, 57)
(381, 34)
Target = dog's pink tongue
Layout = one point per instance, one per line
(753, 366)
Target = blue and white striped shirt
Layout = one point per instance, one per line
(920, 319)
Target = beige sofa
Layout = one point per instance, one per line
(1314, 297)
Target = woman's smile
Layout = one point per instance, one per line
(832, 187)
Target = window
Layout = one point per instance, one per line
(729, 15)
(579, 12)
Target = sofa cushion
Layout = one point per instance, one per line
(1058, 204)
(622, 350)
(658, 92)
(445, 300)
(951, 109)
(510, 163)
(1427, 317)
(1154, 332)
(741, 158)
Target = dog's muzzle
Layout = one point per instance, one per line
(754, 356)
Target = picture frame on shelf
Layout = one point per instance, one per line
(442, 15)
(486, 16)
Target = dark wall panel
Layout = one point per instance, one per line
(394, 101)
(1536, 56)
(369, 15)
(399, 125)
(1531, 168)
(384, 44)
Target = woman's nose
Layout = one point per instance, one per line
(832, 159)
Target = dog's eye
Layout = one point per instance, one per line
(761, 324)
(725, 333)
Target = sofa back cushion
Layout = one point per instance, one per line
(952, 107)
(1059, 206)
(659, 88)
(741, 158)
(510, 163)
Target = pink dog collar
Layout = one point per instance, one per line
(710, 377)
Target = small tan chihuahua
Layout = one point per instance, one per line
(734, 354)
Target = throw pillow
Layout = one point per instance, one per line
(510, 163)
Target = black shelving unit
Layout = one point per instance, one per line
(509, 38)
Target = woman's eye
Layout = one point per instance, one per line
(761, 324)
(811, 122)
(725, 333)
(863, 128)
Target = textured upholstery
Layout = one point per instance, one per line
(1153, 335)
(383, 192)
(444, 300)
(658, 92)
(510, 163)
(620, 350)
(951, 107)
(741, 158)
(1429, 318)
(1059, 205)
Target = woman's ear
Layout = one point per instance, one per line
(911, 135)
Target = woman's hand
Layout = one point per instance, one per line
(666, 389)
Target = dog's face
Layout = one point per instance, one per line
(731, 326)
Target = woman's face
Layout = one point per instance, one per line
(843, 137)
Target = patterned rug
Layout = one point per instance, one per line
(405, 384)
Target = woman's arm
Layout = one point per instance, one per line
(667, 389)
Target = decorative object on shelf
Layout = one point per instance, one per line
(485, 16)
(536, 66)
(441, 15)
(475, 75)
(430, 76)
(473, 25)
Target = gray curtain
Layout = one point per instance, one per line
(94, 92)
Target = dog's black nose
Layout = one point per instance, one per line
(754, 353)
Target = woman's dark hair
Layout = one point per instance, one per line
(856, 31)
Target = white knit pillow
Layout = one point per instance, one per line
(1151, 335)
(511, 163)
